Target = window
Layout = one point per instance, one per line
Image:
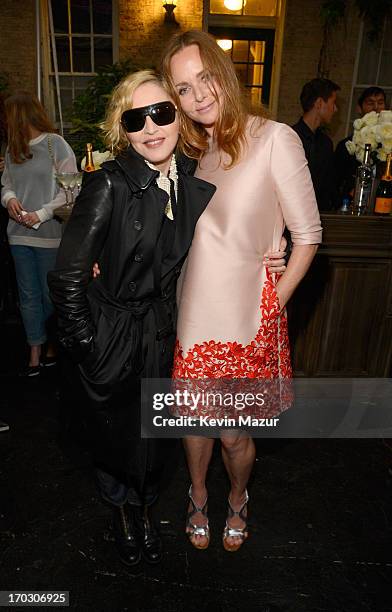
(81, 40)
(251, 52)
(251, 32)
(373, 67)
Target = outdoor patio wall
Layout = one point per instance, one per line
(17, 43)
(301, 48)
(143, 32)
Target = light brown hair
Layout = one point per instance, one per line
(120, 101)
(229, 131)
(24, 110)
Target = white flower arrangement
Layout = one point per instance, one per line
(98, 159)
(374, 129)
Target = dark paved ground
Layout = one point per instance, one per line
(321, 516)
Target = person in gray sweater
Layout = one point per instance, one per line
(3, 143)
(31, 195)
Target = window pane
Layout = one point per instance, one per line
(242, 73)
(80, 82)
(81, 53)
(70, 87)
(385, 77)
(256, 95)
(240, 51)
(368, 60)
(386, 68)
(257, 51)
(255, 74)
(226, 44)
(102, 16)
(103, 51)
(63, 58)
(60, 16)
(80, 16)
(66, 99)
(266, 8)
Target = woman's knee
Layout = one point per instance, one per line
(234, 442)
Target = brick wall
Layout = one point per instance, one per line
(17, 43)
(301, 47)
(143, 32)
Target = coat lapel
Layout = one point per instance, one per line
(193, 197)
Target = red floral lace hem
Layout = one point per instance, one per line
(267, 356)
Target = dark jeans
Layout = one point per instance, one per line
(117, 493)
(32, 265)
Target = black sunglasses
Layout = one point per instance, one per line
(162, 113)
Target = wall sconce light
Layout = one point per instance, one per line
(169, 6)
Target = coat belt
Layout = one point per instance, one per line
(139, 308)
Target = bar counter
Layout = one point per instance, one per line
(340, 318)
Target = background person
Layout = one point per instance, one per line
(31, 195)
(232, 322)
(318, 101)
(3, 143)
(371, 99)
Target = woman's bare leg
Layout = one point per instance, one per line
(198, 451)
(35, 353)
(238, 453)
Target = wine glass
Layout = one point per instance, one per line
(69, 181)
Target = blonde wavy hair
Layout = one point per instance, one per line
(229, 130)
(122, 100)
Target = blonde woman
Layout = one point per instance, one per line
(135, 217)
(232, 321)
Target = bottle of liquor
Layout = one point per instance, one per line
(89, 166)
(363, 184)
(384, 192)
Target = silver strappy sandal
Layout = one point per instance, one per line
(235, 532)
(195, 530)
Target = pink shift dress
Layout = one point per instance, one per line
(230, 323)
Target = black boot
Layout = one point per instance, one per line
(124, 528)
(150, 540)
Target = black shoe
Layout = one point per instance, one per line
(30, 371)
(125, 536)
(150, 540)
(48, 362)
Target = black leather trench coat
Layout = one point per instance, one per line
(120, 327)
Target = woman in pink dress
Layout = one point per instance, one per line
(232, 320)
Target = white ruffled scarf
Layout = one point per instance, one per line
(164, 183)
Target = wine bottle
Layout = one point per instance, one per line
(384, 192)
(89, 166)
(363, 184)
